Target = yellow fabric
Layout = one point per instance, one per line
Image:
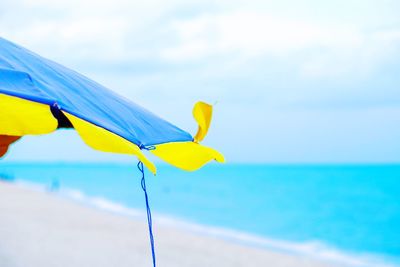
(202, 113)
(188, 156)
(191, 156)
(20, 117)
(100, 139)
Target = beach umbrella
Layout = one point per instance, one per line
(39, 96)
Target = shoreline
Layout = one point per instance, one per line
(313, 250)
(314, 254)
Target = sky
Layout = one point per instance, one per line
(292, 81)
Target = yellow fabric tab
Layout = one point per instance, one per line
(101, 139)
(20, 117)
(202, 113)
(188, 156)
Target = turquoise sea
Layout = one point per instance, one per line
(349, 208)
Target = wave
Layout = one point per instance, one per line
(312, 249)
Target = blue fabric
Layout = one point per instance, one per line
(30, 76)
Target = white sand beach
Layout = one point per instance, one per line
(40, 229)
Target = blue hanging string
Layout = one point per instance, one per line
(149, 221)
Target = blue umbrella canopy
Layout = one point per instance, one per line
(38, 96)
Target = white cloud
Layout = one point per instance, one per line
(254, 33)
(327, 50)
(78, 36)
(125, 31)
(224, 42)
(355, 61)
(85, 30)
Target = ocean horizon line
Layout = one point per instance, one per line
(163, 164)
